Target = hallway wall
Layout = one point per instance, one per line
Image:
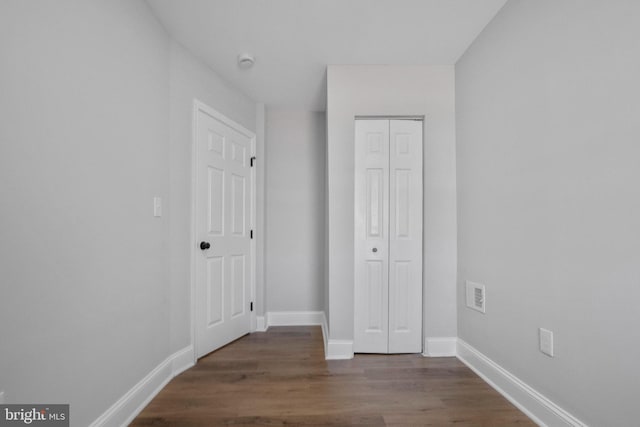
(295, 210)
(84, 265)
(96, 111)
(548, 102)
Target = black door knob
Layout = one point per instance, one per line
(205, 245)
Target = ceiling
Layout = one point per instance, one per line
(293, 41)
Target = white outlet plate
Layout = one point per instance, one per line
(546, 341)
(157, 206)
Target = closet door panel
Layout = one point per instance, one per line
(405, 237)
(371, 238)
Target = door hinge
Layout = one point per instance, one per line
(251, 160)
(251, 234)
(251, 306)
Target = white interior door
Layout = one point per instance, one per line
(223, 219)
(388, 236)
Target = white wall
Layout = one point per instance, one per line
(96, 112)
(84, 147)
(295, 210)
(191, 79)
(549, 199)
(394, 90)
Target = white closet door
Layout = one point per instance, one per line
(388, 236)
(371, 268)
(405, 237)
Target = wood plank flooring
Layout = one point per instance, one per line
(280, 378)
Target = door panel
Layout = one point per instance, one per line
(401, 281)
(388, 236)
(375, 185)
(371, 271)
(375, 296)
(223, 202)
(216, 142)
(215, 290)
(215, 215)
(238, 153)
(238, 285)
(405, 241)
(238, 208)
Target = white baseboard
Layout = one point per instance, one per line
(261, 324)
(440, 346)
(294, 318)
(536, 406)
(325, 333)
(182, 360)
(335, 349)
(134, 401)
(339, 350)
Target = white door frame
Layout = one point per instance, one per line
(198, 107)
(421, 118)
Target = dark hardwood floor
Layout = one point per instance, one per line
(281, 378)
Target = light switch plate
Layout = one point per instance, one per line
(546, 341)
(157, 206)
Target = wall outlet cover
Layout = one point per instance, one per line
(546, 341)
(157, 207)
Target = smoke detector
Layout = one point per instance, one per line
(245, 60)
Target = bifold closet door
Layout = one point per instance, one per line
(388, 236)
